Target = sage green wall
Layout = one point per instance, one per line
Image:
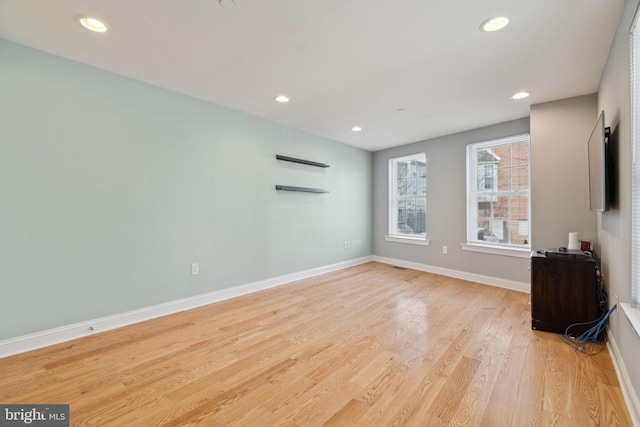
(110, 189)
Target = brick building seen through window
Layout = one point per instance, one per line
(502, 193)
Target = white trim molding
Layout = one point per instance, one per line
(633, 314)
(464, 275)
(497, 250)
(409, 240)
(630, 397)
(58, 335)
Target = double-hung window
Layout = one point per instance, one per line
(498, 200)
(408, 199)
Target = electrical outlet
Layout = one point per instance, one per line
(444, 250)
(195, 269)
(347, 244)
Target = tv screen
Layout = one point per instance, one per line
(598, 167)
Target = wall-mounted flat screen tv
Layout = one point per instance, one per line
(597, 146)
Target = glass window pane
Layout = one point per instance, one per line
(412, 169)
(520, 154)
(500, 207)
(421, 221)
(410, 218)
(499, 171)
(402, 169)
(502, 154)
(402, 210)
(519, 232)
(485, 156)
(490, 174)
(480, 179)
(408, 201)
(484, 207)
(504, 179)
(499, 230)
(402, 187)
(520, 179)
(520, 207)
(422, 169)
(412, 187)
(484, 231)
(411, 205)
(422, 188)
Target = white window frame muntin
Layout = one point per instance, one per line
(472, 190)
(393, 211)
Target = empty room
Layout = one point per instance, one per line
(336, 213)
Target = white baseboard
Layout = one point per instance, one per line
(630, 397)
(479, 278)
(49, 337)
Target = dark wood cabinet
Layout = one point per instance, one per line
(564, 291)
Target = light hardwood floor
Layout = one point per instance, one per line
(371, 345)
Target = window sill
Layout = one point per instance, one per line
(495, 250)
(633, 314)
(409, 240)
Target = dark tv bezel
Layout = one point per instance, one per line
(597, 154)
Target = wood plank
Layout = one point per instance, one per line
(369, 345)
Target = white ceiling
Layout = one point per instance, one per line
(342, 62)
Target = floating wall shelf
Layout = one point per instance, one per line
(304, 162)
(303, 189)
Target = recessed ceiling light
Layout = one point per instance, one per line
(520, 95)
(93, 24)
(282, 98)
(401, 110)
(356, 129)
(494, 24)
(227, 3)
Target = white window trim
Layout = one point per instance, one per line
(511, 251)
(633, 314)
(494, 248)
(399, 238)
(408, 240)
